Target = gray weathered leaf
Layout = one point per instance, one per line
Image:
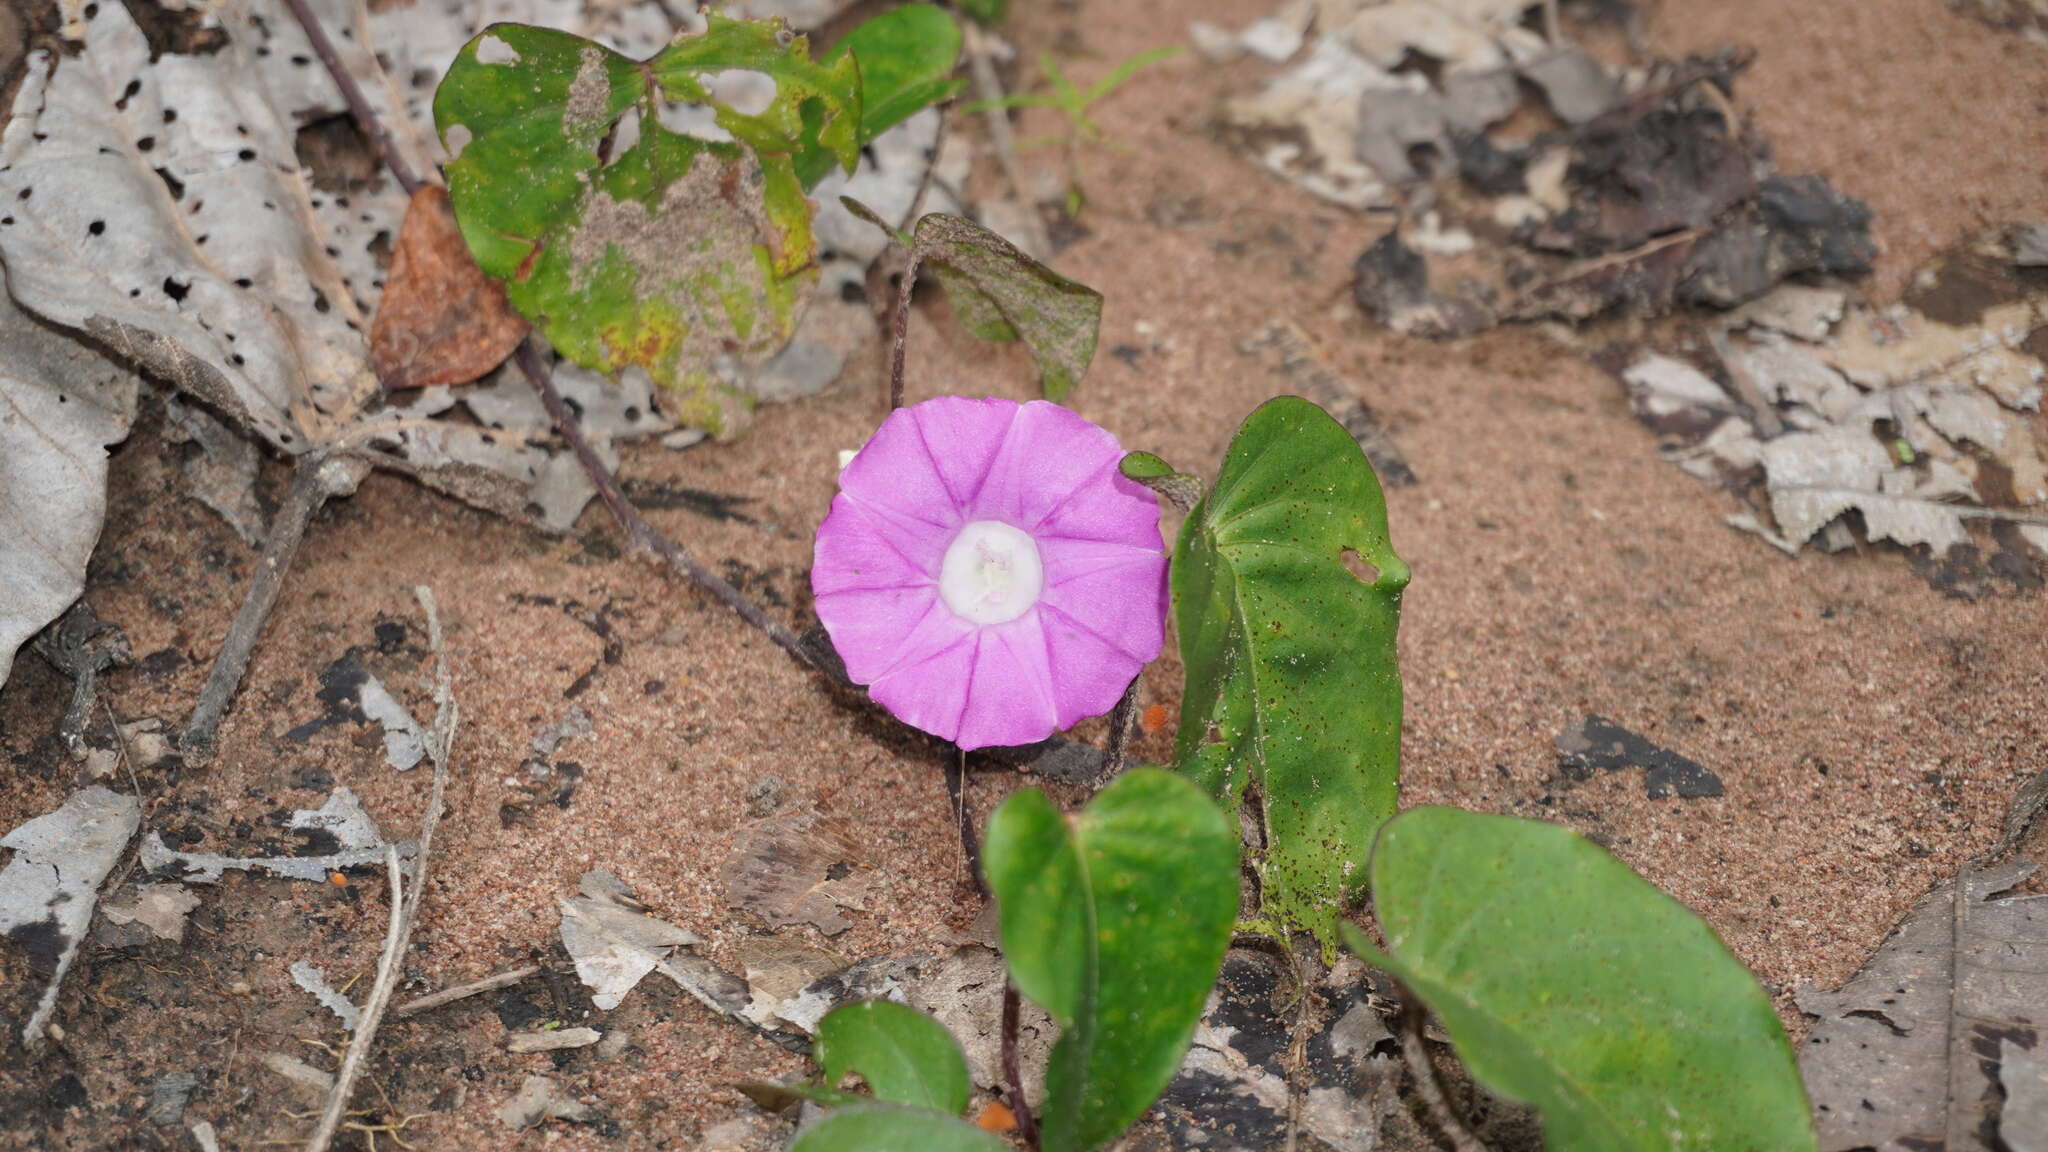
(159, 908)
(615, 944)
(1907, 1054)
(362, 846)
(314, 981)
(60, 407)
(49, 888)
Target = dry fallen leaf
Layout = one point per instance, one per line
(160, 908)
(798, 868)
(441, 320)
(49, 887)
(615, 944)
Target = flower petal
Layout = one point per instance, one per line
(1048, 454)
(962, 437)
(1122, 510)
(1010, 697)
(932, 693)
(863, 547)
(872, 628)
(1120, 604)
(894, 471)
(1089, 673)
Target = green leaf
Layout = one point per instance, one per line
(817, 104)
(905, 1056)
(1115, 922)
(892, 1128)
(906, 57)
(1292, 683)
(987, 13)
(1569, 982)
(646, 248)
(1002, 294)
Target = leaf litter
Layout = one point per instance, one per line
(49, 888)
(615, 944)
(799, 868)
(1937, 1040)
(358, 844)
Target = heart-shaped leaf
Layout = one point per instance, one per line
(1292, 682)
(1115, 922)
(905, 1056)
(893, 1128)
(627, 243)
(1569, 982)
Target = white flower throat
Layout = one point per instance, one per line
(991, 573)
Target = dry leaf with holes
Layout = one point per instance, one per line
(441, 320)
(49, 887)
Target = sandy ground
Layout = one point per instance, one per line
(1869, 731)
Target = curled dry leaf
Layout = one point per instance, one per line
(798, 868)
(49, 888)
(441, 320)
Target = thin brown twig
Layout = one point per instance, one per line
(317, 480)
(641, 536)
(1013, 1076)
(404, 912)
(956, 795)
(352, 94)
(988, 90)
(435, 1000)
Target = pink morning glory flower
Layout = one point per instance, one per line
(988, 573)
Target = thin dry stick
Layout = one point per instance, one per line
(956, 793)
(317, 480)
(1013, 1076)
(641, 536)
(404, 912)
(434, 1000)
(1426, 1084)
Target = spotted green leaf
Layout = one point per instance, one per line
(628, 244)
(1569, 982)
(893, 1128)
(1293, 691)
(1115, 922)
(905, 1056)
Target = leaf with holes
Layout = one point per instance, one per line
(1293, 690)
(630, 244)
(892, 1128)
(906, 57)
(1000, 294)
(1115, 922)
(156, 202)
(905, 1056)
(1569, 982)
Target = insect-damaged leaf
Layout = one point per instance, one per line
(905, 1056)
(631, 244)
(1292, 682)
(1115, 923)
(1000, 294)
(1571, 983)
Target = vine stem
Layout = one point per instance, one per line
(1013, 1076)
(1427, 1085)
(899, 327)
(317, 480)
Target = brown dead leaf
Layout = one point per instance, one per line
(798, 868)
(441, 321)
